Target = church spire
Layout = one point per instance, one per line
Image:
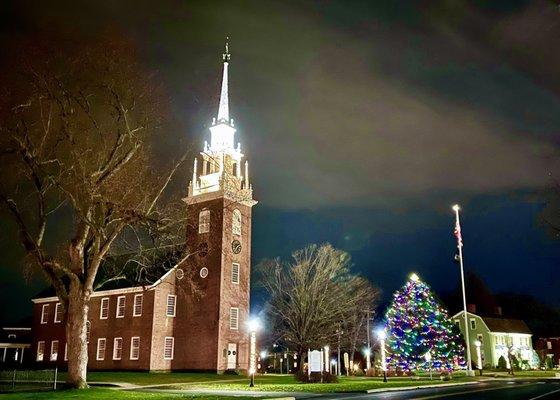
(223, 110)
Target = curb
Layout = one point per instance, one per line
(397, 389)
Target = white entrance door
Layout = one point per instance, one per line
(232, 356)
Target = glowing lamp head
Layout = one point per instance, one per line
(477, 343)
(263, 354)
(254, 324)
(327, 348)
(333, 362)
(366, 351)
(414, 277)
(381, 334)
(456, 207)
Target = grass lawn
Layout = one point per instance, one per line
(524, 374)
(106, 394)
(150, 378)
(287, 383)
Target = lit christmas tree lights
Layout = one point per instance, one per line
(416, 324)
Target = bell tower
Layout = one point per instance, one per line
(220, 201)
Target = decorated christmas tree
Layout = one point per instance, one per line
(415, 325)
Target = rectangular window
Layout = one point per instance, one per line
(58, 312)
(104, 309)
(101, 346)
(235, 273)
(117, 348)
(134, 348)
(234, 318)
(137, 311)
(171, 300)
(54, 350)
(549, 345)
(45, 313)
(120, 306)
(204, 221)
(40, 350)
(168, 349)
(65, 351)
(473, 324)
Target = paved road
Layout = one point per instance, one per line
(498, 390)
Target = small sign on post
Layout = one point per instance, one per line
(315, 361)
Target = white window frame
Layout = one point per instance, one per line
(136, 305)
(168, 339)
(104, 300)
(167, 305)
(104, 349)
(233, 267)
(66, 351)
(132, 348)
(117, 356)
(57, 307)
(204, 221)
(40, 350)
(54, 354)
(232, 311)
(120, 307)
(236, 218)
(44, 314)
(472, 323)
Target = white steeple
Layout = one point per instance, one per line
(223, 110)
(221, 161)
(222, 129)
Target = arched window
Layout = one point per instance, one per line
(236, 223)
(204, 221)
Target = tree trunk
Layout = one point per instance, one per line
(76, 327)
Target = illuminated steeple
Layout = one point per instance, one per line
(222, 138)
(223, 110)
(222, 168)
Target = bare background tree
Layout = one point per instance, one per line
(314, 294)
(77, 144)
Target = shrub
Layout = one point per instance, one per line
(372, 372)
(358, 372)
(231, 372)
(502, 363)
(445, 376)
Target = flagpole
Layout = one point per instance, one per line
(460, 247)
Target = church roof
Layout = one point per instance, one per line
(506, 325)
(126, 271)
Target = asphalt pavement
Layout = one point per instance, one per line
(491, 390)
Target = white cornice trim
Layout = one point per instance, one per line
(15, 345)
(9, 328)
(100, 293)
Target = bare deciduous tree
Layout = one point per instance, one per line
(311, 296)
(76, 139)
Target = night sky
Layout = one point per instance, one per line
(363, 121)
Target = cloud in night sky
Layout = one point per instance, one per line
(362, 121)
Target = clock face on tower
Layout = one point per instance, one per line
(236, 246)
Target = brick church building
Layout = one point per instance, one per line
(165, 326)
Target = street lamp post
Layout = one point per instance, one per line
(326, 358)
(460, 248)
(338, 369)
(478, 343)
(254, 325)
(382, 336)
